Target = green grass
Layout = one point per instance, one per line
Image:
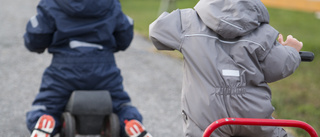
(296, 97)
(302, 25)
(143, 13)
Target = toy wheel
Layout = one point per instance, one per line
(112, 126)
(69, 125)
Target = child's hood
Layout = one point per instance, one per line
(86, 8)
(232, 18)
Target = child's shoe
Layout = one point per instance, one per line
(135, 129)
(44, 126)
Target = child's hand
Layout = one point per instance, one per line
(291, 41)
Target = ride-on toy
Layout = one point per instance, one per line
(305, 56)
(259, 122)
(90, 113)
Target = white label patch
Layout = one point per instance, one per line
(231, 73)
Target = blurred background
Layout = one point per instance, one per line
(295, 97)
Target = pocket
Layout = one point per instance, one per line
(190, 128)
(184, 116)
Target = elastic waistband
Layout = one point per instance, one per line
(230, 91)
(60, 59)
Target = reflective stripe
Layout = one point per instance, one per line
(34, 21)
(223, 41)
(125, 104)
(232, 73)
(38, 107)
(76, 44)
(130, 20)
(231, 24)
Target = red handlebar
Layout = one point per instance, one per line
(259, 122)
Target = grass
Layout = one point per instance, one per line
(302, 25)
(142, 11)
(295, 97)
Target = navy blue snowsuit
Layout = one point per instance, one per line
(82, 35)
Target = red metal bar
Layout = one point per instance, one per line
(259, 122)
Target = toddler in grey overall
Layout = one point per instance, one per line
(230, 54)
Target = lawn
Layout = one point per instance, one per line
(295, 97)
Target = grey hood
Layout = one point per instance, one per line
(232, 18)
(86, 8)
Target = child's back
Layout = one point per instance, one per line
(82, 35)
(67, 25)
(230, 53)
